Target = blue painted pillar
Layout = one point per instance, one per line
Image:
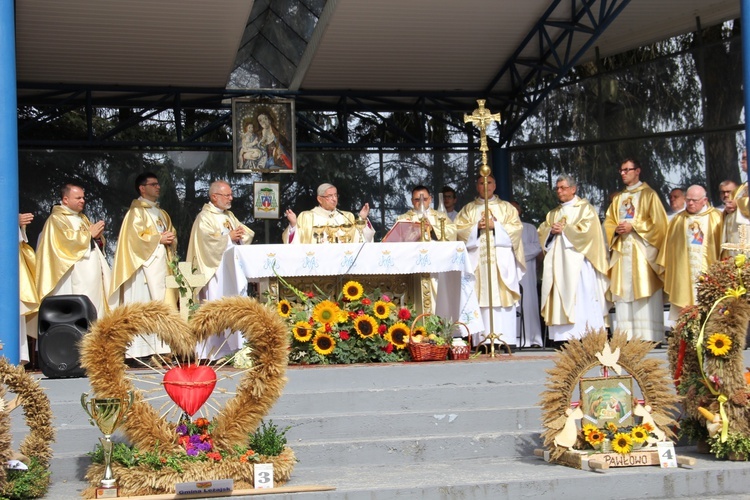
(501, 171)
(9, 311)
(745, 13)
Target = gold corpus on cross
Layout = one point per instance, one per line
(743, 246)
(483, 118)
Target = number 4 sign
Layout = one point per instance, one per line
(263, 475)
(667, 456)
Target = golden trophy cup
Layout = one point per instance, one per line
(107, 414)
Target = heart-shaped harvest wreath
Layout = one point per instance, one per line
(103, 351)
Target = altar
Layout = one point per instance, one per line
(444, 263)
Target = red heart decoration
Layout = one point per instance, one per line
(190, 386)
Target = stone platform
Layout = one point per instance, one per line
(436, 430)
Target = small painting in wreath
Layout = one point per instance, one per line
(605, 400)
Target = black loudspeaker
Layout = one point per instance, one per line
(63, 321)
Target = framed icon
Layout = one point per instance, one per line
(263, 135)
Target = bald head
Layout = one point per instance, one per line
(695, 199)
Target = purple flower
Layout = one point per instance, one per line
(192, 452)
(195, 439)
(204, 446)
(181, 429)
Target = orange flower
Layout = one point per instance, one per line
(201, 422)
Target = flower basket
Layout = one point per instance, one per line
(459, 352)
(426, 351)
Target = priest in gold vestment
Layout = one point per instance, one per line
(422, 209)
(635, 226)
(69, 257)
(28, 298)
(574, 281)
(693, 243)
(326, 223)
(506, 256)
(214, 231)
(146, 244)
(736, 213)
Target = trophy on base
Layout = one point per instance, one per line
(107, 414)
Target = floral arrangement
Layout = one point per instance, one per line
(195, 438)
(706, 356)
(621, 440)
(356, 327)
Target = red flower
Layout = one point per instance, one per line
(214, 455)
(385, 298)
(183, 440)
(404, 313)
(310, 295)
(344, 335)
(328, 328)
(352, 314)
(366, 301)
(388, 348)
(310, 320)
(382, 329)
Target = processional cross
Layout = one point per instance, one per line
(483, 118)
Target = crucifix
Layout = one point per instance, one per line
(186, 283)
(483, 118)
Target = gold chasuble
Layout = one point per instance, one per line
(319, 226)
(61, 244)
(584, 232)
(509, 268)
(693, 243)
(26, 277)
(732, 222)
(642, 208)
(209, 238)
(432, 216)
(140, 236)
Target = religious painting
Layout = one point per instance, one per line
(607, 399)
(266, 200)
(264, 135)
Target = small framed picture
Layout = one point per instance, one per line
(263, 135)
(266, 200)
(605, 400)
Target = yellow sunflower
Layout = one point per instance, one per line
(588, 428)
(622, 443)
(398, 335)
(419, 330)
(719, 344)
(639, 434)
(353, 290)
(381, 309)
(327, 312)
(302, 331)
(611, 427)
(323, 343)
(595, 437)
(366, 326)
(284, 308)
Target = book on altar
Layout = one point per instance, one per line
(404, 231)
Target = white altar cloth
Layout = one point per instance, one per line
(447, 261)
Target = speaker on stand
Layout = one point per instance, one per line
(63, 321)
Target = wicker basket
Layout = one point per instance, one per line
(426, 351)
(459, 352)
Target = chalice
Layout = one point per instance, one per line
(107, 414)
